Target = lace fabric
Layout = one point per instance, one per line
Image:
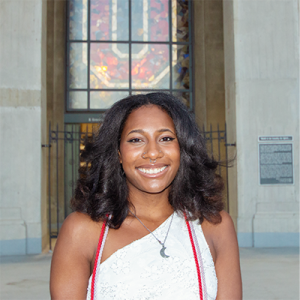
(137, 271)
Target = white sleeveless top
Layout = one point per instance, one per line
(138, 271)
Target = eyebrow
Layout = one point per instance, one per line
(165, 129)
(142, 131)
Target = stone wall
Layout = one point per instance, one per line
(262, 99)
(22, 127)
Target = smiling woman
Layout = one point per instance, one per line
(151, 193)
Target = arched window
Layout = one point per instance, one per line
(121, 47)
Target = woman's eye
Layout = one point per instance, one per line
(134, 141)
(167, 139)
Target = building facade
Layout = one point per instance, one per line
(243, 70)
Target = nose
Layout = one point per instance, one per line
(153, 151)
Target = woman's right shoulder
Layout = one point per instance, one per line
(81, 232)
(73, 256)
(77, 221)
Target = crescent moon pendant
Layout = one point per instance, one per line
(162, 252)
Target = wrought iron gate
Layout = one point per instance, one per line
(64, 161)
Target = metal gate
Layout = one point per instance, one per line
(64, 161)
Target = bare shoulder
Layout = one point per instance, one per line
(80, 232)
(77, 222)
(223, 243)
(73, 257)
(220, 235)
(226, 222)
(225, 228)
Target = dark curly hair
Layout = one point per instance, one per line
(102, 189)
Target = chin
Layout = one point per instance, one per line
(155, 190)
(145, 187)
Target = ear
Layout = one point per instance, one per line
(120, 156)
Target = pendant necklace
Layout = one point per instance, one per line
(162, 251)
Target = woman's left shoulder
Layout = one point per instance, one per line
(223, 244)
(225, 227)
(219, 235)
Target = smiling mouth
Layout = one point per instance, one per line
(152, 170)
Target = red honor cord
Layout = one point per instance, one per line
(96, 260)
(195, 257)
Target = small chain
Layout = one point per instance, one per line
(162, 244)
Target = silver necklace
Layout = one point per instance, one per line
(163, 249)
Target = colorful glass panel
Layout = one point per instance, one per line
(109, 66)
(105, 99)
(78, 19)
(109, 20)
(139, 24)
(180, 66)
(180, 20)
(78, 100)
(150, 66)
(78, 66)
(107, 63)
(150, 20)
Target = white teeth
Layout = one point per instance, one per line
(152, 171)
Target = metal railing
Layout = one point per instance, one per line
(64, 161)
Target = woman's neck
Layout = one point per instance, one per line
(150, 206)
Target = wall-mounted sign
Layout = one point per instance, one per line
(276, 160)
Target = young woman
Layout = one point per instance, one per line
(149, 222)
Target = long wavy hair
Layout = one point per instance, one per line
(102, 188)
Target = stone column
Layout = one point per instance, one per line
(209, 63)
(209, 74)
(23, 127)
(262, 99)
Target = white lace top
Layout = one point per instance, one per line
(138, 271)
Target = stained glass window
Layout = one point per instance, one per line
(120, 47)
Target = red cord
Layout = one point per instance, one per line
(96, 260)
(195, 256)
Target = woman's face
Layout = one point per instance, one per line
(149, 133)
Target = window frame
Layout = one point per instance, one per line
(86, 115)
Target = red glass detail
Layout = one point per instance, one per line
(100, 13)
(159, 26)
(152, 64)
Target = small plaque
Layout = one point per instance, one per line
(73, 118)
(276, 163)
(275, 138)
